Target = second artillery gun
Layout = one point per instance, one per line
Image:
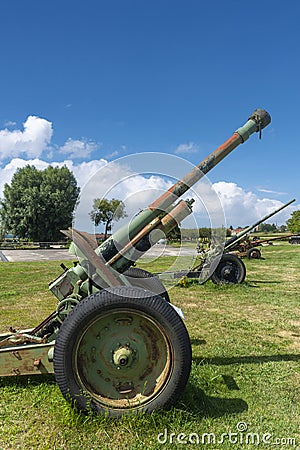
(246, 247)
(115, 342)
(231, 268)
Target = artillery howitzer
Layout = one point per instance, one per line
(115, 343)
(294, 239)
(231, 268)
(246, 247)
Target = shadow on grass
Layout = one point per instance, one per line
(249, 283)
(29, 380)
(226, 361)
(198, 341)
(195, 401)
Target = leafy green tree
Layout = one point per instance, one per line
(39, 203)
(106, 211)
(190, 234)
(293, 224)
(282, 228)
(267, 227)
(205, 233)
(174, 235)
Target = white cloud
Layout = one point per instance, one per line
(270, 191)
(190, 147)
(112, 155)
(31, 141)
(82, 171)
(36, 137)
(79, 148)
(117, 180)
(139, 190)
(85, 170)
(10, 123)
(244, 208)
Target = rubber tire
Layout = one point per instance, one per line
(103, 302)
(254, 251)
(146, 280)
(234, 262)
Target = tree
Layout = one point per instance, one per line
(267, 227)
(293, 223)
(106, 211)
(39, 203)
(174, 235)
(205, 233)
(282, 228)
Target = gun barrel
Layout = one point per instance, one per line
(142, 241)
(230, 243)
(258, 120)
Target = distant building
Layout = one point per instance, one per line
(100, 236)
(236, 230)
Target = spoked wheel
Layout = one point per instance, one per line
(122, 350)
(254, 253)
(230, 270)
(146, 280)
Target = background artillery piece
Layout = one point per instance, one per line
(231, 268)
(247, 247)
(115, 342)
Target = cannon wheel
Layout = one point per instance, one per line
(254, 253)
(230, 270)
(122, 350)
(147, 280)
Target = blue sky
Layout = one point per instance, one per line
(98, 80)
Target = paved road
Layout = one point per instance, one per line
(62, 254)
(37, 255)
(3, 258)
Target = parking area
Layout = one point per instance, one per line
(35, 255)
(63, 254)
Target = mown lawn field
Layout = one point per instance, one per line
(244, 388)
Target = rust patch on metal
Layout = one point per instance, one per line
(17, 355)
(26, 359)
(155, 353)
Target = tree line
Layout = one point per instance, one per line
(39, 203)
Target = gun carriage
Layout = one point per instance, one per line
(115, 342)
(231, 268)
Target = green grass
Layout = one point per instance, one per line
(246, 365)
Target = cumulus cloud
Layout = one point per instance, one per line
(82, 172)
(31, 141)
(98, 178)
(115, 180)
(190, 147)
(35, 138)
(79, 148)
(112, 155)
(10, 123)
(244, 208)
